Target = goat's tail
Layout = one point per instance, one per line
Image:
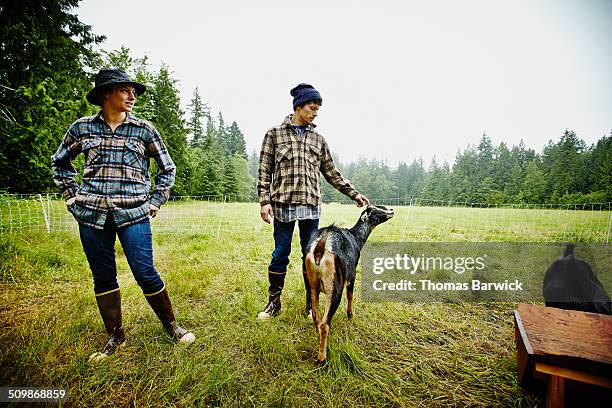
(320, 248)
(569, 249)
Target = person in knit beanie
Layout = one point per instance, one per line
(293, 156)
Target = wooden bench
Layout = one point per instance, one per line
(555, 345)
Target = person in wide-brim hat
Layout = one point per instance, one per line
(106, 79)
(114, 199)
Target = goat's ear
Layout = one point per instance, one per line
(366, 213)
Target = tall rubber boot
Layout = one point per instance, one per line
(110, 309)
(160, 303)
(273, 308)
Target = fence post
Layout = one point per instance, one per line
(608, 233)
(49, 210)
(221, 218)
(10, 215)
(45, 215)
(406, 221)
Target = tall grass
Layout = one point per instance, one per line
(389, 354)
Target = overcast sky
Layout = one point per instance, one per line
(399, 79)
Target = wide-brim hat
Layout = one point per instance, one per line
(106, 78)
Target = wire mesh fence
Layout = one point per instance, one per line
(416, 219)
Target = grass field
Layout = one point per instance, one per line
(389, 354)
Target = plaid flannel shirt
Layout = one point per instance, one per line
(289, 167)
(293, 212)
(116, 170)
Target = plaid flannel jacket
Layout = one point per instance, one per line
(116, 170)
(289, 167)
(293, 212)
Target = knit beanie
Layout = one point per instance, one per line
(304, 93)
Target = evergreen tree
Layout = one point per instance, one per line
(230, 178)
(168, 119)
(214, 164)
(245, 182)
(122, 59)
(534, 185)
(487, 192)
(599, 178)
(432, 179)
(222, 134)
(362, 177)
(198, 159)
(443, 182)
(46, 54)
(416, 178)
(208, 168)
(209, 162)
(213, 174)
(465, 175)
(485, 159)
(564, 170)
(401, 180)
(235, 141)
(514, 185)
(254, 163)
(198, 110)
(210, 138)
(502, 167)
(523, 154)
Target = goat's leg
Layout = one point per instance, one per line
(324, 331)
(312, 281)
(333, 304)
(334, 296)
(308, 298)
(314, 299)
(349, 298)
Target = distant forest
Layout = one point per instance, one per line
(47, 66)
(566, 171)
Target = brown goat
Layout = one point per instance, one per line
(331, 263)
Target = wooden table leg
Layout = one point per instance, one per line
(555, 392)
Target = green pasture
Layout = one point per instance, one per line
(213, 258)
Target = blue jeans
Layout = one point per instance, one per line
(137, 243)
(283, 232)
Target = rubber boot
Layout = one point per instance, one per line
(110, 310)
(160, 303)
(273, 308)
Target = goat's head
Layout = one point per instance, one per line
(374, 215)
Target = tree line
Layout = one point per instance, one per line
(566, 172)
(47, 65)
